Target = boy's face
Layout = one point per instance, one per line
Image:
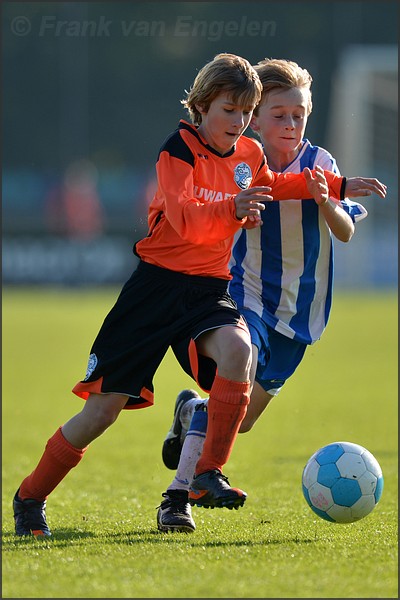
(282, 120)
(224, 122)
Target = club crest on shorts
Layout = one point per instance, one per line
(242, 175)
(92, 364)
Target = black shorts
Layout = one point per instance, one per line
(155, 310)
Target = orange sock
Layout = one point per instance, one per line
(226, 409)
(58, 459)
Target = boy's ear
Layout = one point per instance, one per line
(254, 123)
(201, 109)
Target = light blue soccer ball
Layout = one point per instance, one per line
(342, 482)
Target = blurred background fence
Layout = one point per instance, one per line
(91, 89)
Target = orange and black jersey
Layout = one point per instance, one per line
(192, 217)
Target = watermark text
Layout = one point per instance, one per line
(184, 27)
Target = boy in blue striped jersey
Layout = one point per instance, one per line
(282, 275)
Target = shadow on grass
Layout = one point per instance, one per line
(63, 537)
(68, 537)
(157, 537)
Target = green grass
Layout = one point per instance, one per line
(105, 542)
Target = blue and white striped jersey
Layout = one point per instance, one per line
(283, 270)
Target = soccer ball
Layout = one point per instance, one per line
(342, 482)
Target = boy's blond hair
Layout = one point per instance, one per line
(225, 73)
(282, 74)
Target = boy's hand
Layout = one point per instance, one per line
(249, 203)
(364, 186)
(252, 222)
(317, 185)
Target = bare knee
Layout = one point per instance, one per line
(236, 359)
(101, 411)
(104, 417)
(230, 348)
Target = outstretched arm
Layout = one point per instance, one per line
(285, 186)
(364, 186)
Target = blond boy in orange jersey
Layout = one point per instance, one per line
(211, 182)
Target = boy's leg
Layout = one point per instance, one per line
(209, 488)
(219, 361)
(183, 412)
(63, 451)
(230, 348)
(174, 513)
(29, 503)
(221, 493)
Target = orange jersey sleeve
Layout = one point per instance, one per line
(289, 186)
(193, 221)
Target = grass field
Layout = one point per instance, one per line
(105, 542)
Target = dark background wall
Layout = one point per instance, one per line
(97, 85)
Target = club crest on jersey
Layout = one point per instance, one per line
(92, 364)
(242, 175)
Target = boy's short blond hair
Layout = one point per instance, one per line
(282, 74)
(225, 73)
